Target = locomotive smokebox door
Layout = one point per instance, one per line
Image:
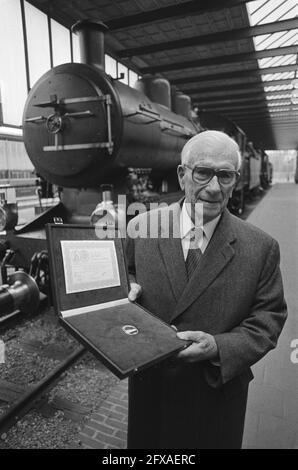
(72, 125)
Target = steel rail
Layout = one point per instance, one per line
(21, 407)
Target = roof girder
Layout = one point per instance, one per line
(238, 96)
(233, 93)
(249, 86)
(222, 59)
(245, 99)
(235, 106)
(230, 35)
(251, 73)
(172, 11)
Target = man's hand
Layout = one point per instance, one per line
(203, 348)
(135, 291)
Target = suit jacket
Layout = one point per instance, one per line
(235, 294)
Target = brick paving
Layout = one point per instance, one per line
(272, 414)
(107, 427)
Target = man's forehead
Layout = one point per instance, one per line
(213, 145)
(211, 155)
(210, 147)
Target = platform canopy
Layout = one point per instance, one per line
(233, 57)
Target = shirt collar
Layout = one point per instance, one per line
(186, 224)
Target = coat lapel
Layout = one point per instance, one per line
(217, 255)
(172, 253)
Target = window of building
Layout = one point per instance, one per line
(133, 77)
(38, 42)
(61, 43)
(110, 66)
(13, 86)
(76, 48)
(124, 70)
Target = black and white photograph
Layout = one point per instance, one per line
(148, 228)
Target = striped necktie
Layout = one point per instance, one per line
(194, 254)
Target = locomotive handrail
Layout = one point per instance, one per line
(172, 125)
(82, 99)
(168, 125)
(36, 119)
(54, 148)
(165, 124)
(143, 111)
(79, 114)
(148, 110)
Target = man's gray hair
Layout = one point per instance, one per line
(210, 141)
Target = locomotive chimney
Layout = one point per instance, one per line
(91, 39)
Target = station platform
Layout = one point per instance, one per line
(272, 412)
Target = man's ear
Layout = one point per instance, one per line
(180, 173)
(232, 189)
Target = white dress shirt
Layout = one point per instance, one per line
(186, 226)
(207, 230)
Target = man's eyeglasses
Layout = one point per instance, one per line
(204, 174)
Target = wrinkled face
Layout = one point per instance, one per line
(212, 195)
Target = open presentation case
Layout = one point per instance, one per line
(90, 288)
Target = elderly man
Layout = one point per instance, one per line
(218, 283)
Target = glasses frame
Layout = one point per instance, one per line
(215, 172)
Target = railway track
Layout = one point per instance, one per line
(46, 374)
(16, 396)
(23, 399)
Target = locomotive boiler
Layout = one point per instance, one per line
(82, 129)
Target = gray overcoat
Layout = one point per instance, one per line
(235, 294)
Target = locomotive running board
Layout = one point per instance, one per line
(40, 220)
(54, 148)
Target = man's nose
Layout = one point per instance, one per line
(213, 184)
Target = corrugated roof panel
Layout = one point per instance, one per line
(277, 88)
(270, 11)
(282, 38)
(254, 6)
(279, 109)
(277, 61)
(261, 12)
(278, 97)
(278, 115)
(281, 103)
(277, 76)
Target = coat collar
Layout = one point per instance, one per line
(171, 251)
(186, 224)
(217, 255)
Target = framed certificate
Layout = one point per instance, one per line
(90, 288)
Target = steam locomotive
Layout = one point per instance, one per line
(82, 129)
